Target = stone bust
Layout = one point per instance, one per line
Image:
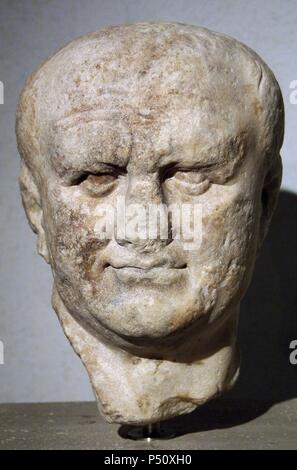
(155, 114)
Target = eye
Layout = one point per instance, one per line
(192, 182)
(96, 184)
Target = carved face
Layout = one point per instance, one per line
(151, 288)
(178, 134)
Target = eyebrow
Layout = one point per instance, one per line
(227, 150)
(235, 145)
(105, 148)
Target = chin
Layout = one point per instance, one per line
(159, 316)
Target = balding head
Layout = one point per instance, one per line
(147, 73)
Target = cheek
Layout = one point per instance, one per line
(72, 239)
(228, 229)
(230, 221)
(230, 225)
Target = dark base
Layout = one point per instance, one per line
(147, 433)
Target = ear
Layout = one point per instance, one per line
(32, 205)
(269, 197)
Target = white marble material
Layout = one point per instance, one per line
(155, 113)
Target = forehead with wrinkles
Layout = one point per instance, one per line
(82, 141)
(135, 84)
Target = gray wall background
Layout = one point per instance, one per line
(39, 363)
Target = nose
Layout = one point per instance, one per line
(147, 226)
(144, 190)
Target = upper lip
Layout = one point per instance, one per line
(147, 264)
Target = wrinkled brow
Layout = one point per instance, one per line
(83, 142)
(75, 145)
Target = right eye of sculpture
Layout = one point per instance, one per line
(96, 184)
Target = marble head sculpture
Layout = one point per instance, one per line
(155, 114)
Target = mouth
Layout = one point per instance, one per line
(156, 275)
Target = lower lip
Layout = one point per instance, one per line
(159, 276)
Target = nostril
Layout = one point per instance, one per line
(144, 243)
